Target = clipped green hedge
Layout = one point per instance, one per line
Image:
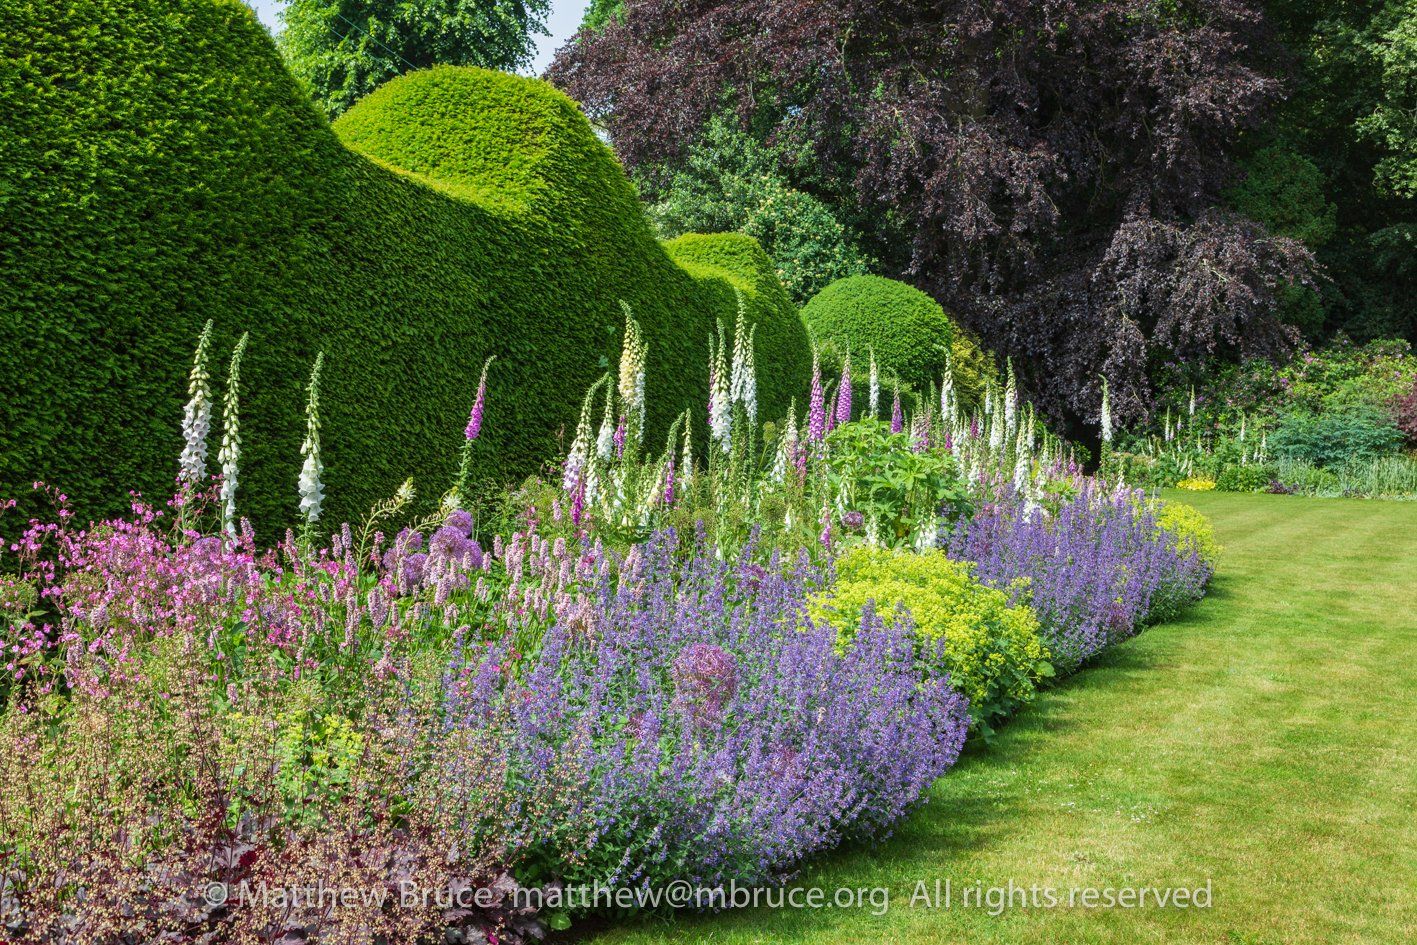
(162, 168)
(723, 262)
(907, 329)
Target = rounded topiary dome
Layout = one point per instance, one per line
(908, 331)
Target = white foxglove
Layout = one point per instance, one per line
(1106, 413)
(230, 453)
(312, 491)
(197, 415)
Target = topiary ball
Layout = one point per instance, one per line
(906, 329)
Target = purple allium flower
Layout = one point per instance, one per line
(461, 520)
(853, 520)
(705, 679)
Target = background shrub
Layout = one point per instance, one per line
(907, 329)
(730, 181)
(1403, 407)
(163, 168)
(991, 650)
(1354, 432)
(1252, 478)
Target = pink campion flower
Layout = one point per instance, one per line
(474, 419)
(817, 406)
(843, 394)
(897, 418)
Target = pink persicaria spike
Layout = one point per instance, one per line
(817, 406)
(474, 419)
(897, 418)
(843, 394)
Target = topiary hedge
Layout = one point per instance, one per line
(161, 168)
(907, 329)
(723, 262)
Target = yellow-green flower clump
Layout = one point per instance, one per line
(1189, 529)
(991, 649)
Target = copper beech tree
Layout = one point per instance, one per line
(1051, 170)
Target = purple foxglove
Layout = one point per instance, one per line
(474, 419)
(843, 395)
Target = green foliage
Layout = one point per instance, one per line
(1285, 191)
(167, 170)
(1350, 113)
(892, 487)
(1391, 39)
(908, 331)
(1383, 477)
(729, 181)
(344, 49)
(1251, 478)
(1335, 437)
(991, 650)
(600, 12)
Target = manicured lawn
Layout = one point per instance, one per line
(1266, 743)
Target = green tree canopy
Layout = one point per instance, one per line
(732, 182)
(344, 49)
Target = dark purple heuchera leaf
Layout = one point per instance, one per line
(1047, 170)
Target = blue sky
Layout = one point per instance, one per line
(565, 17)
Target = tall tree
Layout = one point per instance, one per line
(344, 49)
(1052, 171)
(1350, 121)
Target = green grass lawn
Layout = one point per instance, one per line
(1263, 743)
